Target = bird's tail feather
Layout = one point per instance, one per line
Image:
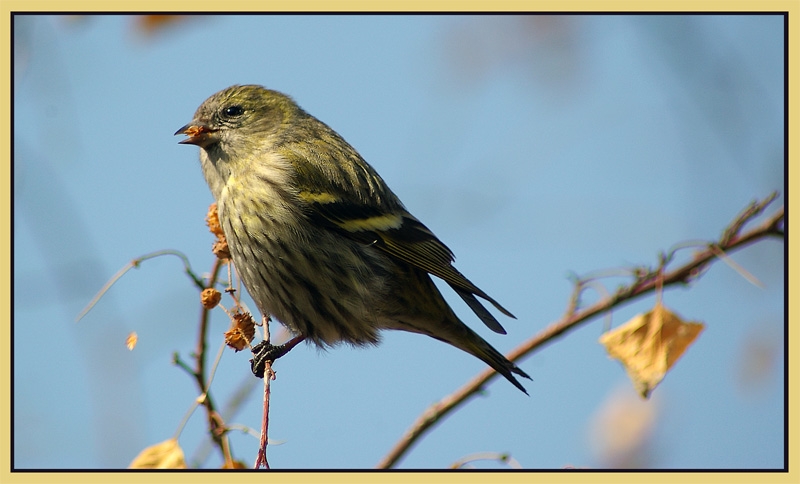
(473, 344)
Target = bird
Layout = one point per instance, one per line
(318, 239)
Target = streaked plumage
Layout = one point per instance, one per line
(319, 240)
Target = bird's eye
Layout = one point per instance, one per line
(233, 111)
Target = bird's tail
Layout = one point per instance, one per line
(469, 341)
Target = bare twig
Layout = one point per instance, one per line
(269, 375)
(646, 281)
(135, 264)
(261, 459)
(465, 462)
(216, 424)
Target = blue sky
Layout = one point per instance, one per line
(533, 147)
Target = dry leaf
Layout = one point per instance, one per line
(166, 455)
(131, 340)
(151, 24)
(649, 344)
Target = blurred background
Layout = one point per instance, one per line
(534, 146)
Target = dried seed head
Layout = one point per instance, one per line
(212, 219)
(242, 331)
(210, 297)
(220, 249)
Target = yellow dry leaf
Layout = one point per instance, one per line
(649, 344)
(131, 340)
(166, 455)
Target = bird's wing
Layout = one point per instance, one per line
(383, 222)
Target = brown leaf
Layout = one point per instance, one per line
(649, 345)
(166, 455)
(131, 340)
(151, 24)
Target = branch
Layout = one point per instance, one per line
(269, 375)
(261, 457)
(134, 264)
(646, 282)
(216, 425)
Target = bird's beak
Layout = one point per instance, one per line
(198, 134)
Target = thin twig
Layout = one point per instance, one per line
(135, 264)
(261, 458)
(269, 375)
(644, 284)
(215, 423)
(465, 462)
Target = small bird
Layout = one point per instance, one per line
(318, 239)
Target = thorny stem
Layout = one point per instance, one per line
(645, 283)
